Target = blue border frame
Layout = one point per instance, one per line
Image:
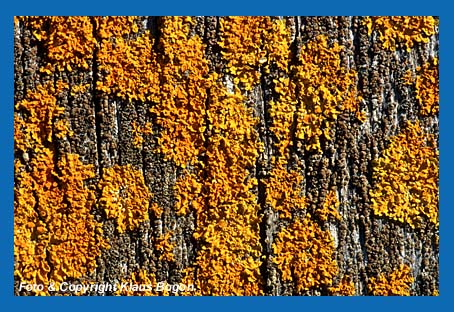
(233, 7)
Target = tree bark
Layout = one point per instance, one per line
(365, 245)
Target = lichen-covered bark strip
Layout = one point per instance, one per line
(242, 135)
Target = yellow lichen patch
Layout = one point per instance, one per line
(406, 178)
(427, 89)
(322, 88)
(407, 78)
(139, 132)
(228, 225)
(282, 113)
(80, 236)
(124, 196)
(115, 26)
(219, 193)
(329, 208)
(128, 68)
(62, 129)
(217, 188)
(80, 88)
(317, 90)
(397, 283)
(36, 118)
(241, 41)
(305, 255)
(361, 116)
(395, 31)
(283, 191)
(165, 247)
(30, 257)
(346, 287)
(55, 234)
(325, 89)
(249, 43)
(277, 43)
(188, 279)
(156, 210)
(188, 190)
(180, 106)
(68, 40)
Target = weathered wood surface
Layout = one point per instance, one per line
(365, 245)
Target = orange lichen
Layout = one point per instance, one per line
(207, 129)
(407, 78)
(406, 178)
(128, 68)
(218, 188)
(108, 27)
(252, 45)
(249, 43)
(227, 221)
(316, 91)
(68, 40)
(427, 89)
(156, 210)
(277, 43)
(329, 208)
(56, 236)
(124, 196)
(38, 118)
(324, 90)
(282, 112)
(62, 129)
(180, 103)
(79, 88)
(283, 191)
(397, 283)
(187, 193)
(346, 287)
(241, 41)
(396, 31)
(165, 247)
(305, 255)
(228, 225)
(189, 278)
(139, 132)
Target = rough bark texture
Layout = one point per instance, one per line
(365, 245)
